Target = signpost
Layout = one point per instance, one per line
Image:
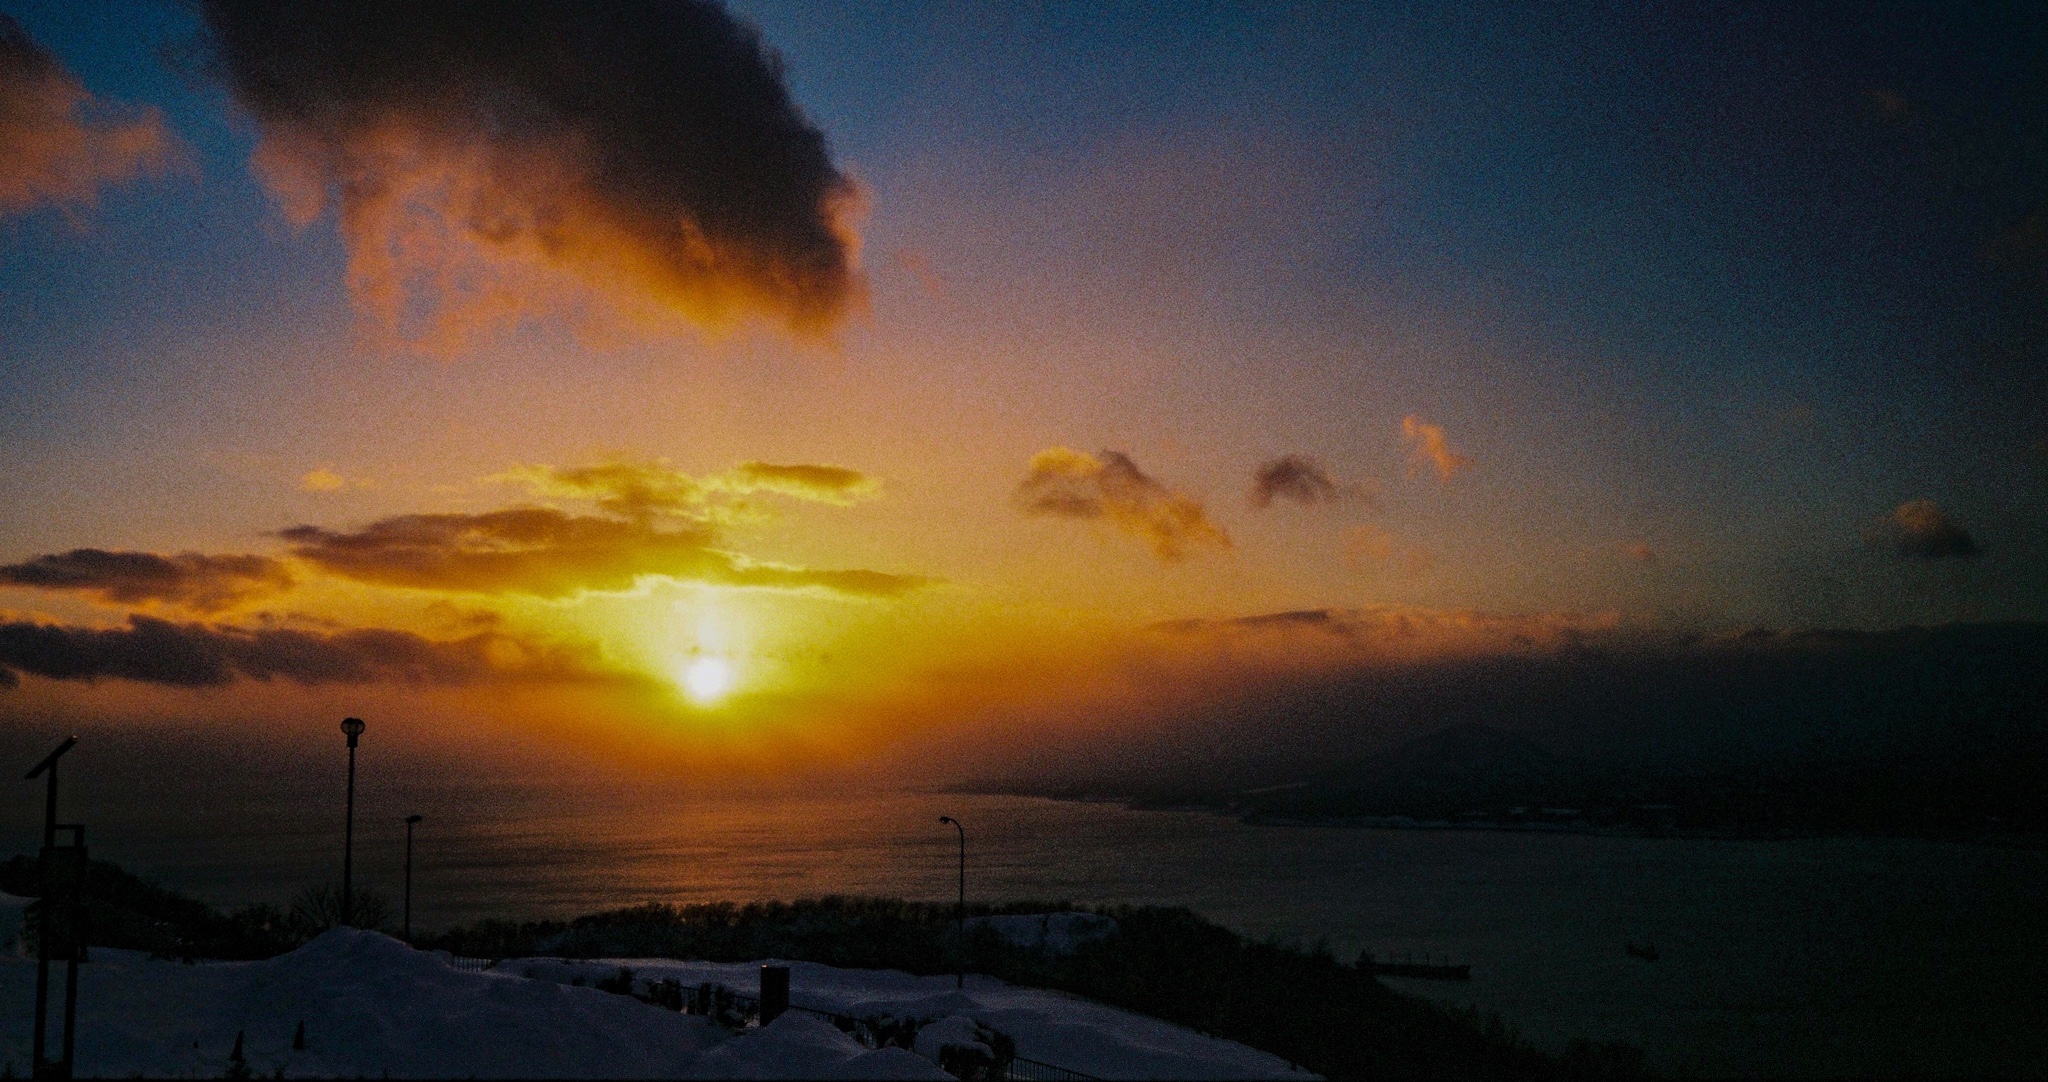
(60, 928)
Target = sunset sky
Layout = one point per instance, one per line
(587, 377)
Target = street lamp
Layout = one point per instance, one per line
(960, 907)
(411, 821)
(353, 727)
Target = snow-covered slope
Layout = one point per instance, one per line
(372, 1006)
(1048, 1026)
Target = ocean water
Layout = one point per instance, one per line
(1814, 956)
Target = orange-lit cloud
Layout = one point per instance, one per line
(547, 553)
(1370, 549)
(204, 655)
(189, 580)
(327, 479)
(1430, 448)
(1303, 480)
(59, 145)
(1921, 530)
(482, 176)
(637, 489)
(824, 484)
(1639, 551)
(1110, 488)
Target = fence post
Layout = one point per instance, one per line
(774, 992)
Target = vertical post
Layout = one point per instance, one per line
(44, 927)
(411, 821)
(353, 727)
(46, 911)
(77, 947)
(774, 992)
(960, 908)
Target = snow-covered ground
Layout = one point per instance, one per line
(1048, 1026)
(372, 1006)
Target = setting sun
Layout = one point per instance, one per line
(707, 679)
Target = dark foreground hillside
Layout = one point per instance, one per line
(1166, 962)
(1169, 963)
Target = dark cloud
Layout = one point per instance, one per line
(1304, 481)
(1066, 483)
(58, 144)
(189, 580)
(200, 655)
(548, 553)
(1918, 529)
(483, 158)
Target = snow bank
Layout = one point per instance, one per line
(797, 1045)
(1048, 1026)
(370, 1005)
(1059, 933)
(13, 912)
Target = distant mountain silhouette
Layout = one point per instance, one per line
(1459, 767)
(1938, 731)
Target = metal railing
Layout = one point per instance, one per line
(472, 965)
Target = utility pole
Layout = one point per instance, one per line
(411, 821)
(353, 729)
(960, 908)
(60, 931)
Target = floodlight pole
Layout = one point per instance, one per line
(353, 728)
(47, 922)
(960, 907)
(411, 821)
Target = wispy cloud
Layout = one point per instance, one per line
(1921, 530)
(548, 553)
(636, 489)
(59, 145)
(1109, 487)
(1305, 481)
(1371, 549)
(328, 479)
(822, 484)
(489, 163)
(190, 580)
(1428, 448)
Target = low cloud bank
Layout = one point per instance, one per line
(547, 553)
(1268, 699)
(193, 655)
(191, 580)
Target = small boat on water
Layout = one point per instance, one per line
(1424, 970)
(1647, 951)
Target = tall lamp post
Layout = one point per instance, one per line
(353, 728)
(960, 908)
(411, 821)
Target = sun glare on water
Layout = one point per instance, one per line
(707, 679)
